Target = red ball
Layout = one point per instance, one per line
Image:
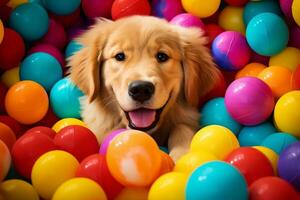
(5, 13)
(13, 124)
(123, 8)
(3, 90)
(296, 77)
(67, 20)
(272, 188)
(42, 130)
(77, 140)
(95, 167)
(237, 2)
(212, 31)
(3, 2)
(251, 163)
(97, 8)
(27, 149)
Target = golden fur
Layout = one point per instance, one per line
(179, 82)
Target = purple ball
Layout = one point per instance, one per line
(231, 51)
(97, 8)
(295, 37)
(106, 141)
(249, 101)
(166, 8)
(289, 164)
(187, 20)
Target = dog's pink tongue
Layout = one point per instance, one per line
(142, 118)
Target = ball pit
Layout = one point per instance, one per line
(201, 9)
(278, 141)
(62, 7)
(271, 155)
(11, 76)
(123, 8)
(231, 19)
(67, 122)
(18, 189)
(187, 20)
(289, 58)
(5, 160)
(107, 140)
(296, 11)
(7, 135)
(96, 8)
(251, 69)
(166, 9)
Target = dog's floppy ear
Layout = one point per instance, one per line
(200, 72)
(85, 64)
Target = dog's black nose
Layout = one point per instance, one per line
(141, 90)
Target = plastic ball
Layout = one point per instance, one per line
(251, 163)
(28, 149)
(1, 31)
(78, 189)
(49, 119)
(13, 124)
(216, 180)
(30, 20)
(167, 163)
(5, 13)
(67, 20)
(255, 57)
(62, 7)
(212, 31)
(272, 188)
(294, 35)
(286, 115)
(254, 135)
(26, 102)
(16, 3)
(3, 2)
(231, 19)
(18, 189)
(249, 101)
(96, 8)
(286, 8)
(41, 68)
(296, 77)
(11, 40)
(230, 50)
(215, 139)
(124, 8)
(214, 112)
(95, 168)
(5, 160)
(201, 8)
(288, 164)
(296, 11)
(107, 140)
(187, 20)
(257, 34)
(3, 91)
(251, 69)
(289, 58)
(271, 155)
(169, 186)
(42, 130)
(236, 2)
(192, 160)
(67, 122)
(133, 193)
(72, 48)
(7, 135)
(166, 9)
(134, 158)
(278, 141)
(51, 170)
(11, 76)
(64, 94)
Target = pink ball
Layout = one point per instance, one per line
(295, 37)
(97, 8)
(56, 35)
(249, 101)
(166, 8)
(286, 7)
(106, 141)
(187, 20)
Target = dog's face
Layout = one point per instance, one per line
(144, 65)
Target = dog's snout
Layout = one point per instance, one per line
(141, 90)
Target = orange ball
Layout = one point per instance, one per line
(279, 79)
(27, 102)
(7, 135)
(5, 161)
(252, 69)
(134, 159)
(167, 164)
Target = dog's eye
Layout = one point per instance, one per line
(162, 57)
(120, 56)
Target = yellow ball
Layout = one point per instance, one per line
(287, 113)
(192, 160)
(289, 57)
(201, 8)
(18, 189)
(138, 193)
(169, 186)
(218, 140)
(51, 170)
(79, 189)
(11, 76)
(231, 19)
(271, 155)
(67, 122)
(296, 11)
(15, 3)
(1, 31)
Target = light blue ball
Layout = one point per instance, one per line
(254, 135)
(278, 141)
(216, 180)
(42, 68)
(214, 112)
(61, 7)
(37, 1)
(72, 48)
(30, 20)
(267, 34)
(64, 99)
(164, 149)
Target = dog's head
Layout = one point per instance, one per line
(143, 66)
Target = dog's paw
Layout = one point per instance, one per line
(177, 153)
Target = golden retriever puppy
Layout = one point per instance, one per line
(143, 73)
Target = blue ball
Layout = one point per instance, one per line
(30, 20)
(42, 68)
(72, 48)
(267, 34)
(278, 141)
(64, 99)
(164, 149)
(214, 112)
(254, 135)
(216, 180)
(61, 7)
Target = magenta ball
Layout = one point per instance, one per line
(286, 7)
(97, 8)
(295, 37)
(187, 20)
(249, 101)
(166, 8)
(106, 141)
